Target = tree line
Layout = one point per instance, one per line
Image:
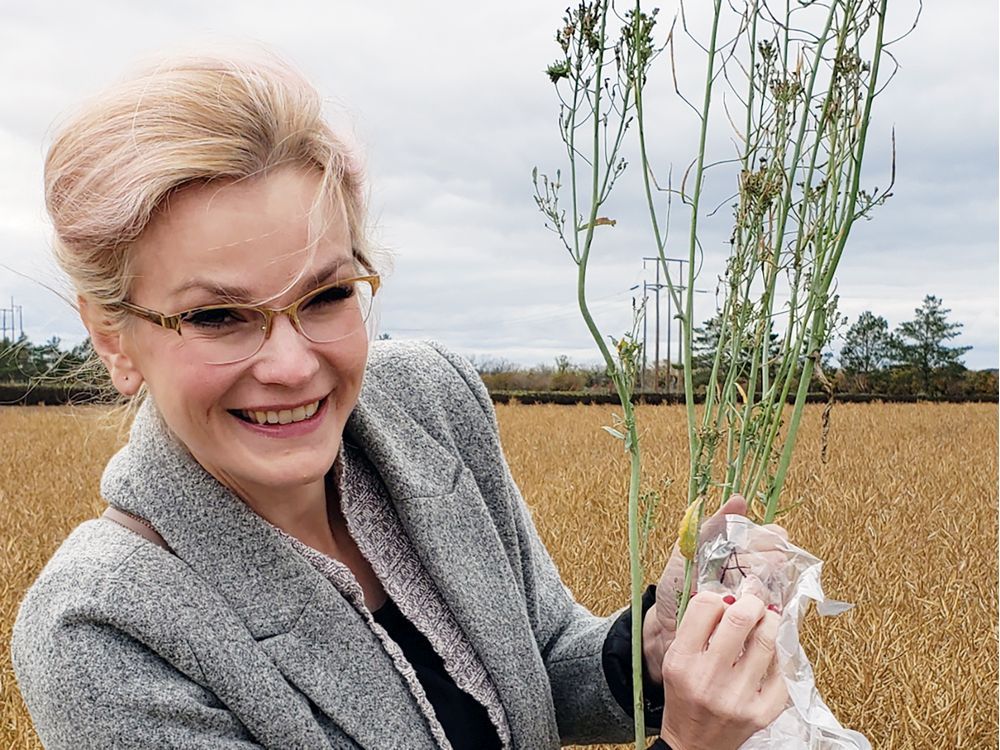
(914, 359)
(23, 362)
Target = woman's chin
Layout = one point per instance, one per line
(272, 471)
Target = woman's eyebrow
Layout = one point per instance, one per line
(331, 269)
(241, 294)
(229, 293)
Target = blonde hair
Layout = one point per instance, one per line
(186, 120)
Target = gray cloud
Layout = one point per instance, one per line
(453, 110)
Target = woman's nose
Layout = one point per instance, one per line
(286, 356)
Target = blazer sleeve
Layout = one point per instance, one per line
(569, 637)
(88, 684)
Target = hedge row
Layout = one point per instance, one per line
(19, 394)
(578, 397)
(22, 395)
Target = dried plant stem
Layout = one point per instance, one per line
(584, 42)
(804, 127)
(696, 484)
(818, 331)
(807, 101)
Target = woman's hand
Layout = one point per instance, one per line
(720, 681)
(660, 623)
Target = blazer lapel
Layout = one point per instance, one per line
(314, 636)
(440, 507)
(332, 656)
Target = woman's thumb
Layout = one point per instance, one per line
(734, 506)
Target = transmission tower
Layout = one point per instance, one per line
(11, 321)
(656, 287)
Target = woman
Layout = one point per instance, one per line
(319, 544)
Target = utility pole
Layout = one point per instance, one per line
(642, 372)
(656, 360)
(11, 319)
(646, 286)
(656, 367)
(680, 323)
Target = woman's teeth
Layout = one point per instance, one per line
(285, 416)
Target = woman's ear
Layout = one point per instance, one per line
(107, 342)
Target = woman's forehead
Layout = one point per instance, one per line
(259, 235)
(286, 203)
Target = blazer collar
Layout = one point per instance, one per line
(441, 507)
(282, 598)
(313, 635)
(208, 526)
(229, 545)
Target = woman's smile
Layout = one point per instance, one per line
(283, 422)
(279, 414)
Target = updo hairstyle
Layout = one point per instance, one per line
(185, 121)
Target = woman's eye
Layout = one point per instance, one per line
(331, 296)
(218, 318)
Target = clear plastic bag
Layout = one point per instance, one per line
(736, 556)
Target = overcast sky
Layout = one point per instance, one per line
(452, 107)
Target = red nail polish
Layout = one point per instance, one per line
(729, 599)
(774, 608)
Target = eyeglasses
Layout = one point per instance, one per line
(225, 334)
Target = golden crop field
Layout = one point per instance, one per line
(904, 514)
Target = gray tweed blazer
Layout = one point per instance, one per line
(238, 642)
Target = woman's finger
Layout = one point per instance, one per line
(739, 620)
(714, 524)
(779, 530)
(701, 618)
(759, 652)
(768, 538)
(736, 505)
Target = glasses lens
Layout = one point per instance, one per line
(334, 312)
(222, 335)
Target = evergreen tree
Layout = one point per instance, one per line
(705, 341)
(920, 343)
(16, 359)
(868, 348)
(21, 361)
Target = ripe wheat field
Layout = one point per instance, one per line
(904, 513)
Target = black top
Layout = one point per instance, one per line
(464, 719)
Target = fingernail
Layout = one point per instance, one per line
(729, 599)
(774, 608)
